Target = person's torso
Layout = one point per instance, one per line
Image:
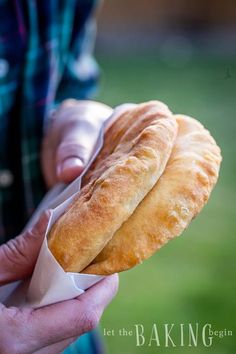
(36, 37)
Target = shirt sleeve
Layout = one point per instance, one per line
(81, 72)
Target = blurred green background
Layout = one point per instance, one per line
(191, 279)
(182, 53)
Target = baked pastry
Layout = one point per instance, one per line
(136, 149)
(177, 197)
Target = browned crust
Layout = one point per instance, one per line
(177, 197)
(121, 180)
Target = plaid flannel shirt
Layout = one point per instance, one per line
(45, 57)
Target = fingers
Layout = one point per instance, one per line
(48, 161)
(52, 328)
(74, 151)
(69, 169)
(77, 145)
(19, 255)
(15, 334)
(101, 293)
(72, 318)
(70, 139)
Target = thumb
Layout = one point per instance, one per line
(75, 150)
(18, 256)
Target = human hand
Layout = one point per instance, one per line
(51, 329)
(70, 139)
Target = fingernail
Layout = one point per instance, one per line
(70, 163)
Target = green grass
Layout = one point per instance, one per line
(192, 279)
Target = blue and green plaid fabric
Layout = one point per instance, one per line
(45, 57)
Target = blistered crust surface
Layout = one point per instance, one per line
(136, 149)
(177, 197)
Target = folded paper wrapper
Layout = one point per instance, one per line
(50, 283)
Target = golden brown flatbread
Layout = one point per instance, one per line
(137, 147)
(177, 197)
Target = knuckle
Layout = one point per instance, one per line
(12, 252)
(90, 320)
